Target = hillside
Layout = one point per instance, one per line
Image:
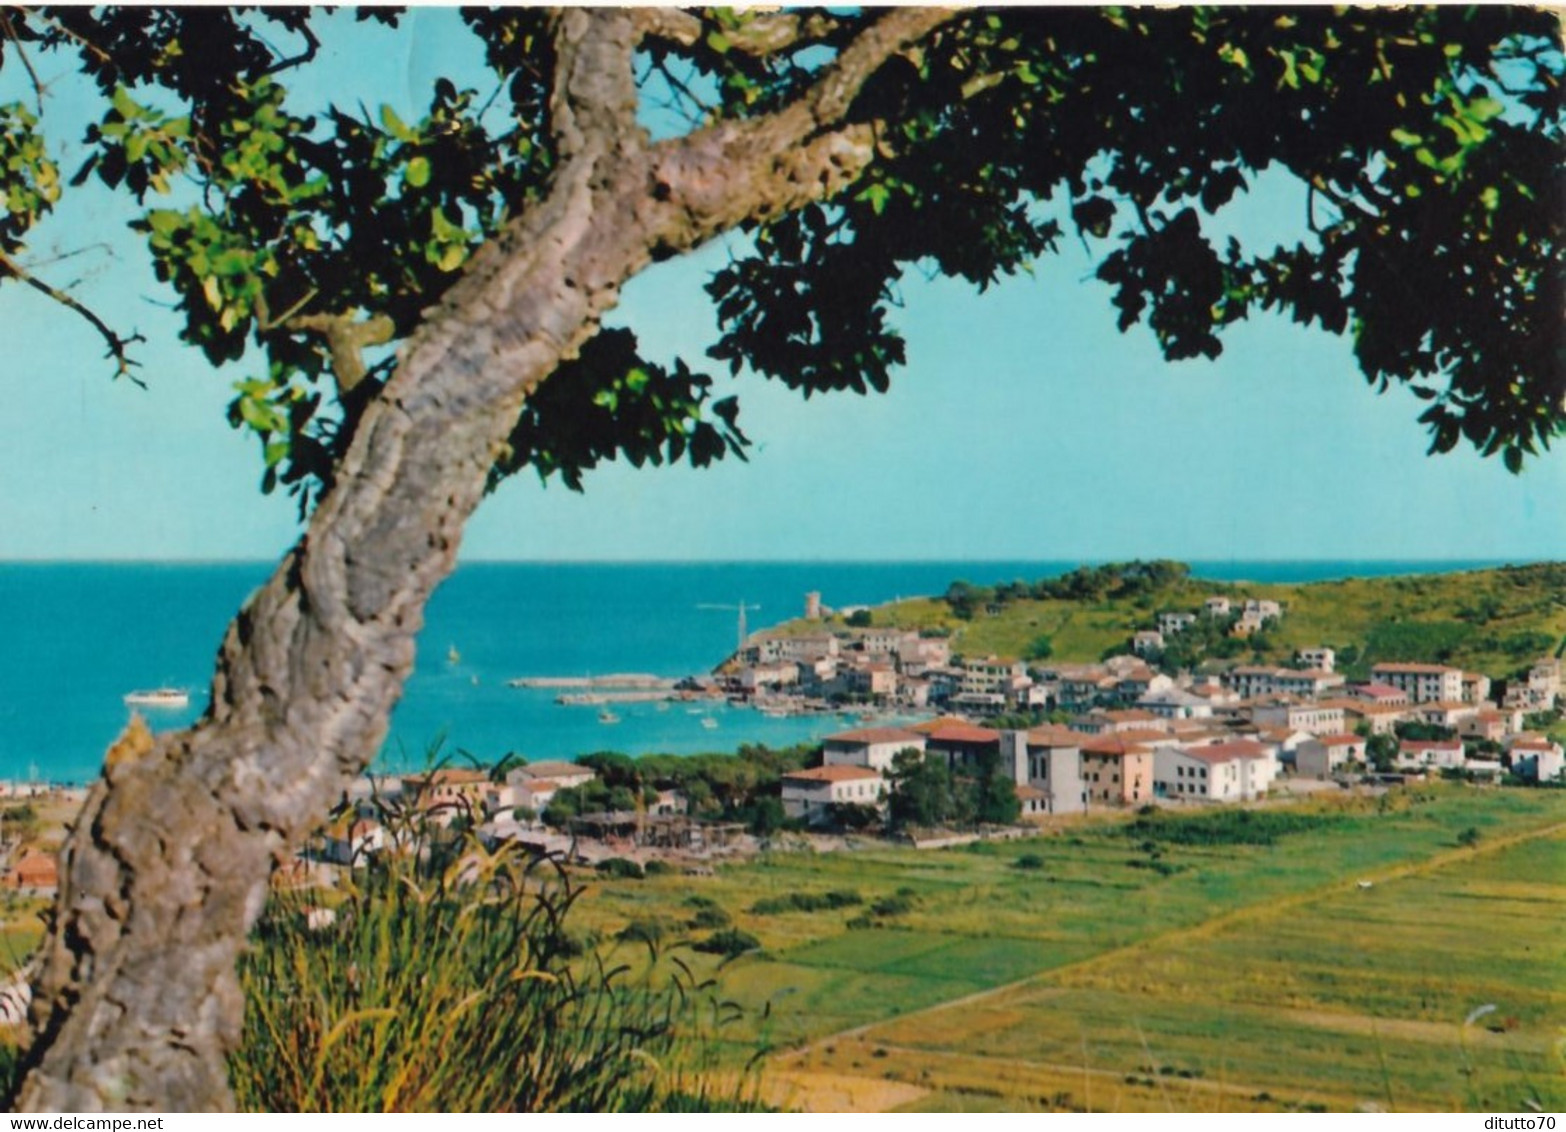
(1492, 621)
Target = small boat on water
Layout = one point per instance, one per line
(453, 656)
(158, 698)
(607, 716)
(708, 722)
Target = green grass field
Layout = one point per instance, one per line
(1251, 971)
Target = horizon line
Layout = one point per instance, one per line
(1494, 561)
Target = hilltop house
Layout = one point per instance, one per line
(34, 871)
(1536, 759)
(872, 747)
(1176, 703)
(961, 744)
(1116, 772)
(811, 794)
(1048, 759)
(1315, 718)
(448, 791)
(1321, 756)
(1321, 657)
(1144, 641)
(1429, 754)
(1423, 683)
(536, 784)
(351, 841)
(1221, 772)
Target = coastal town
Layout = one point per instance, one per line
(1130, 734)
(1073, 779)
(1117, 734)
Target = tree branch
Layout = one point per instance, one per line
(760, 35)
(9, 29)
(346, 339)
(593, 103)
(119, 347)
(726, 173)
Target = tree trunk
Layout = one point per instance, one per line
(137, 1002)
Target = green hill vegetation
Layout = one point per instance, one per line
(1492, 621)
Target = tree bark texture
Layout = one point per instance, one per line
(137, 1003)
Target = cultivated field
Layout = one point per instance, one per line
(1223, 964)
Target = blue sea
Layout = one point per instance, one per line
(78, 636)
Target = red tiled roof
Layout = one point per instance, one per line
(1339, 740)
(958, 731)
(1054, 735)
(1430, 745)
(868, 735)
(451, 776)
(930, 725)
(1226, 752)
(832, 774)
(1309, 673)
(1414, 668)
(1131, 715)
(556, 769)
(1146, 735)
(1113, 745)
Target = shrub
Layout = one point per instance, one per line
(621, 868)
(450, 982)
(710, 917)
(806, 902)
(1226, 827)
(1028, 861)
(656, 868)
(649, 932)
(729, 942)
(1469, 837)
(892, 906)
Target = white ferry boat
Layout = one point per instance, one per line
(159, 698)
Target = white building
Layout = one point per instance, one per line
(1221, 772)
(1537, 760)
(1321, 756)
(1429, 754)
(1319, 657)
(1422, 683)
(1176, 703)
(1144, 641)
(811, 794)
(1317, 719)
(871, 747)
(1175, 622)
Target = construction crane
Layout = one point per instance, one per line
(741, 607)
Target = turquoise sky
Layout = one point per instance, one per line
(1024, 426)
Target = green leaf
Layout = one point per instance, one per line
(876, 195)
(417, 175)
(395, 125)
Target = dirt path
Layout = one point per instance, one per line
(792, 1061)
